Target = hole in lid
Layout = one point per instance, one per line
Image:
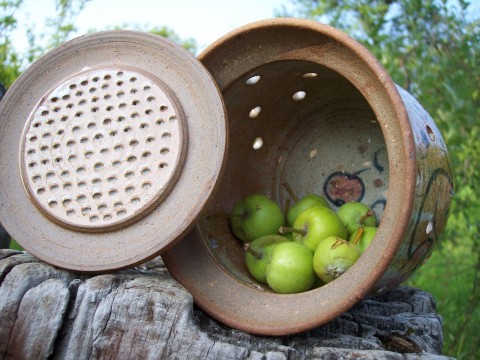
(88, 154)
(166, 135)
(146, 185)
(117, 205)
(36, 178)
(33, 138)
(70, 212)
(96, 181)
(133, 91)
(430, 133)
(150, 139)
(131, 158)
(104, 86)
(71, 143)
(129, 189)
(40, 191)
(113, 192)
(120, 94)
(66, 201)
(46, 135)
(133, 143)
(121, 118)
(134, 115)
(135, 102)
(31, 151)
(129, 174)
(54, 187)
(116, 163)
(67, 186)
(94, 218)
(92, 90)
(122, 105)
(146, 154)
(50, 122)
(107, 77)
(119, 83)
(103, 151)
(255, 112)
(102, 207)
(143, 126)
(135, 200)
(98, 166)
(121, 213)
(107, 217)
(82, 184)
(52, 203)
(81, 170)
(145, 171)
(79, 93)
(133, 79)
(113, 133)
(97, 195)
(118, 147)
(146, 87)
(32, 164)
(310, 75)
(86, 210)
(91, 125)
(253, 80)
(72, 157)
(150, 98)
(120, 73)
(65, 173)
(127, 129)
(44, 113)
(94, 99)
(112, 179)
(163, 108)
(159, 121)
(164, 151)
(162, 165)
(107, 121)
(84, 82)
(299, 95)
(50, 175)
(172, 118)
(44, 161)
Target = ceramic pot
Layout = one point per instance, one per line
(309, 105)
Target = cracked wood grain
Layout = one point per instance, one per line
(142, 313)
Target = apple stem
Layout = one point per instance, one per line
(287, 205)
(287, 229)
(368, 214)
(290, 191)
(358, 236)
(248, 248)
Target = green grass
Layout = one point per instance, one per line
(452, 277)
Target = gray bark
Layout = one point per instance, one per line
(142, 313)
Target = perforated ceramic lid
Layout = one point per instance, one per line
(104, 146)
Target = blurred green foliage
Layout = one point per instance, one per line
(432, 49)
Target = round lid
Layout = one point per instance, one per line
(103, 146)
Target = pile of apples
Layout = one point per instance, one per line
(316, 245)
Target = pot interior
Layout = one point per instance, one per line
(302, 123)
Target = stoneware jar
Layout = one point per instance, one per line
(120, 146)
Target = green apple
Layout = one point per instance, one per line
(333, 257)
(315, 224)
(363, 237)
(255, 216)
(355, 214)
(290, 269)
(302, 205)
(258, 255)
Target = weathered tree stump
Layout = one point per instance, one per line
(143, 313)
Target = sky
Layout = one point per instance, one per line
(203, 20)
